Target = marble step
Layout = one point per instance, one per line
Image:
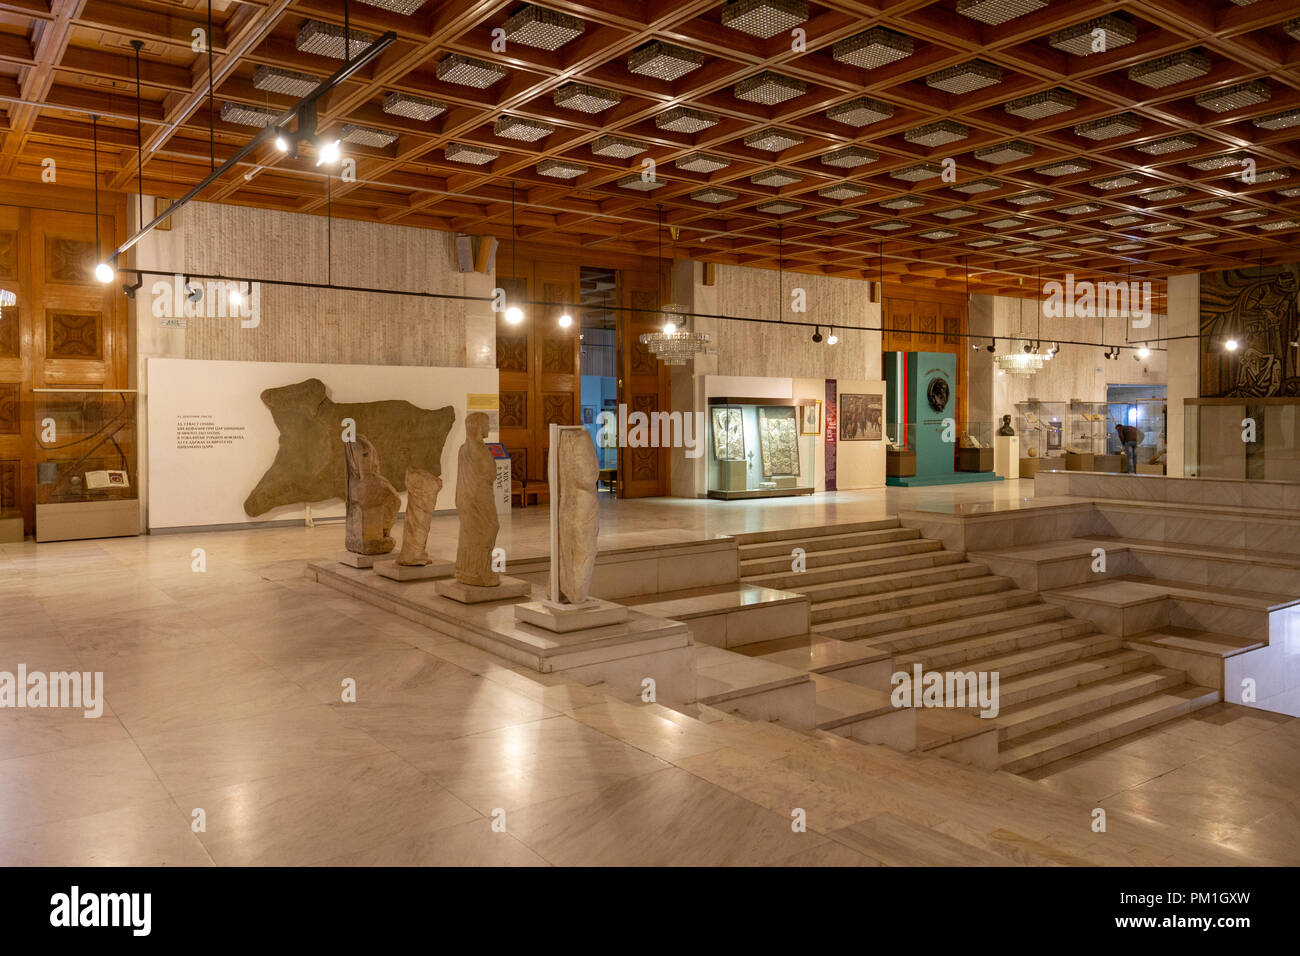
(1017, 720)
(892, 583)
(756, 688)
(1065, 675)
(729, 615)
(785, 534)
(1008, 642)
(825, 542)
(1210, 643)
(897, 629)
(926, 594)
(863, 713)
(1045, 658)
(1092, 730)
(923, 559)
(812, 653)
(968, 624)
(892, 547)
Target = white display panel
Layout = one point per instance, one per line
(195, 482)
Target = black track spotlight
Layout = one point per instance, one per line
(130, 289)
(992, 346)
(817, 334)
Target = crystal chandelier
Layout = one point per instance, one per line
(673, 343)
(1020, 363)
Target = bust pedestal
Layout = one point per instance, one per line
(1006, 456)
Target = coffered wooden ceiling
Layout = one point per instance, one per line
(62, 60)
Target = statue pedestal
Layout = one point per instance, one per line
(1006, 456)
(563, 618)
(354, 560)
(416, 572)
(471, 594)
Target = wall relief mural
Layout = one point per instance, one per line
(728, 435)
(778, 441)
(1258, 308)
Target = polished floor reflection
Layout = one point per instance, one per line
(226, 739)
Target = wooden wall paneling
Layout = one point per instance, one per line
(642, 386)
(930, 322)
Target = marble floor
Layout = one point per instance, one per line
(225, 741)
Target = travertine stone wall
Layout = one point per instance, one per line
(313, 325)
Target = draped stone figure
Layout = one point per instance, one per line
(476, 508)
(422, 488)
(372, 502)
(579, 516)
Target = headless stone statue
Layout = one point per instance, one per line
(476, 473)
(1006, 428)
(579, 516)
(422, 489)
(372, 502)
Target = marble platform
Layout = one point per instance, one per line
(354, 560)
(621, 655)
(415, 572)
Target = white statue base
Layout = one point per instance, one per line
(416, 572)
(562, 618)
(471, 594)
(354, 560)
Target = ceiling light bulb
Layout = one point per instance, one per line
(1144, 353)
(328, 154)
(565, 320)
(670, 328)
(514, 315)
(104, 272)
(832, 339)
(1230, 345)
(281, 143)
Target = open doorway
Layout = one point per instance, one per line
(598, 301)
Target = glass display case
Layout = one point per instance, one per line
(86, 463)
(1214, 444)
(1087, 428)
(761, 448)
(1041, 426)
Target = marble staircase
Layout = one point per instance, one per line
(1065, 687)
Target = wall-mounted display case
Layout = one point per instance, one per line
(756, 449)
(86, 463)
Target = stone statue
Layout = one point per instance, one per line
(1006, 428)
(372, 502)
(476, 507)
(579, 517)
(422, 489)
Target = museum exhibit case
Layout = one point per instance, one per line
(1087, 425)
(1219, 441)
(86, 463)
(761, 448)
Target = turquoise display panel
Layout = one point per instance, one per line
(932, 388)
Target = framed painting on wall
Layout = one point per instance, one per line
(861, 418)
(810, 418)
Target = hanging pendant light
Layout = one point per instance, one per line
(674, 344)
(103, 271)
(1019, 359)
(514, 315)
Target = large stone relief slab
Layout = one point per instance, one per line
(728, 435)
(778, 441)
(309, 465)
(579, 517)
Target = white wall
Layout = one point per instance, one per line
(1184, 360)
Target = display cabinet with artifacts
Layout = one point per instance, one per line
(86, 463)
(1087, 427)
(975, 451)
(757, 450)
(1042, 429)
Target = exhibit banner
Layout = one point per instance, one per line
(831, 433)
(245, 442)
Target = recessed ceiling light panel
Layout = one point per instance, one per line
(1208, 163)
(1118, 221)
(326, 39)
(965, 77)
(560, 169)
(474, 155)
(367, 136)
(258, 116)
(702, 163)
(938, 234)
(272, 79)
(1170, 144)
(776, 177)
(961, 212)
(873, 48)
(769, 89)
(1064, 167)
(1120, 181)
(978, 186)
(917, 173)
(1160, 195)
(772, 140)
(636, 182)
(683, 119)
(1041, 105)
(521, 128)
(1168, 70)
(664, 61)
(1080, 209)
(892, 225)
(764, 18)
(842, 191)
(937, 134)
(1284, 120)
(1108, 127)
(849, 157)
(413, 107)
(1208, 205)
(1011, 152)
(585, 98)
(899, 203)
(404, 7)
(617, 147)
(1235, 97)
(997, 12)
(714, 194)
(467, 71)
(862, 111)
(779, 208)
(543, 29)
(1082, 39)
(837, 216)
